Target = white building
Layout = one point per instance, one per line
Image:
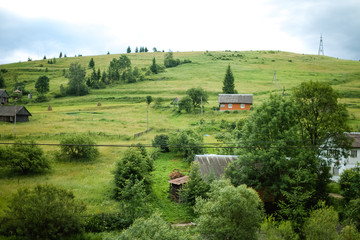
(352, 160)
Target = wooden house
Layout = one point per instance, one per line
(8, 113)
(232, 102)
(4, 97)
(212, 164)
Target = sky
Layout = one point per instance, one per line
(38, 28)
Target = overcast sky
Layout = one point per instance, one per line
(42, 27)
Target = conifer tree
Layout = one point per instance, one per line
(91, 63)
(229, 85)
(128, 49)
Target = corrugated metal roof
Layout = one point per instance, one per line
(180, 180)
(214, 164)
(10, 111)
(236, 98)
(356, 137)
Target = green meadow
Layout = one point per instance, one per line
(123, 112)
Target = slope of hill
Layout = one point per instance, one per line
(123, 108)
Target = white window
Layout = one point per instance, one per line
(353, 153)
(230, 105)
(222, 105)
(242, 105)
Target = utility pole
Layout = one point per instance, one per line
(321, 46)
(15, 121)
(275, 81)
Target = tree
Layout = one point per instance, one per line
(60, 55)
(195, 187)
(198, 96)
(92, 63)
(322, 224)
(2, 81)
(25, 157)
(154, 49)
(272, 133)
(132, 167)
(350, 183)
(229, 212)
(136, 50)
(148, 101)
(169, 60)
(78, 148)
(188, 143)
(228, 83)
(185, 104)
(323, 122)
(45, 212)
(161, 141)
(128, 50)
(153, 67)
(271, 230)
(77, 85)
(42, 85)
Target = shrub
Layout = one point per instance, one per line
(188, 143)
(161, 141)
(24, 157)
(150, 228)
(229, 212)
(322, 224)
(78, 147)
(45, 212)
(132, 167)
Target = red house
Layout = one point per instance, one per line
(235, 102)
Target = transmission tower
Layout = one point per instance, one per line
(321, 46)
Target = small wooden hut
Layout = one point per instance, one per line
(176, 185)
(8, 113)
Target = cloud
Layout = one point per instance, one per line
(337, 21)
(34, 38)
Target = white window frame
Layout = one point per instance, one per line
(222, 105)
(353, 153)
(230, 105)
(243, 105)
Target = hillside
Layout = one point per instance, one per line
(123, 109)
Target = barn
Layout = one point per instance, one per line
(212, 164)
(8, 113)
(4, 97)
(235, 102)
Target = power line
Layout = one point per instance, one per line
(205, 145)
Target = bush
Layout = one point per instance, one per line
(188, 143)
(78, 147)
(150, 228)
(24, 157)
(322, 224)
(229, 212)
(45, 212)
(161, 141)
(132, 167)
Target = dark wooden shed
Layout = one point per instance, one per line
(176, 185)
(4, 97)
(7, 114)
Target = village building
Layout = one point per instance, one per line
(4, 97)
(212, 165)
(235, 102)
(8, 113)
(352, 160)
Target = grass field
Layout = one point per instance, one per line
(123, 112)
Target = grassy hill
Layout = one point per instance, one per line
(123, 110)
